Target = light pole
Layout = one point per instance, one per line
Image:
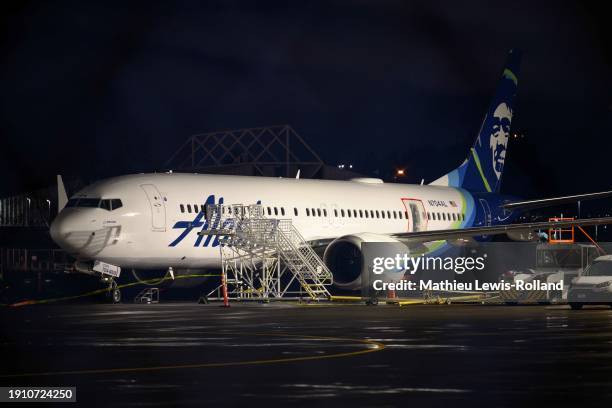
(48, 211)
(27, 218)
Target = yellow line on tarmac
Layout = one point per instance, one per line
(411, 302)
(98, 291)
(375, 346)
(346, 298)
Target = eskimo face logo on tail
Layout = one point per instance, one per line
(195, 224)
(502, 117)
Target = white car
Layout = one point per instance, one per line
(594, 285)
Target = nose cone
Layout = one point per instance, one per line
(74, 230)
(61, 228)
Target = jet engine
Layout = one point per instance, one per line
(344, 258)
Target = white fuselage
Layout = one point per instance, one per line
(158, 221)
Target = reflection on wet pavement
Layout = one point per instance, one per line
(184, 354)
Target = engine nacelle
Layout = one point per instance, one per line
(344, 258)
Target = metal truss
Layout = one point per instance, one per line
(268, 151)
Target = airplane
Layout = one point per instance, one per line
(155, 221)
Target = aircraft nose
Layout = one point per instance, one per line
(60, 229)
(72, 229)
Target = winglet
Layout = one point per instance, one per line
(297, 176)
(62, 197)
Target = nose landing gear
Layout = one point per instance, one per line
(114, 293)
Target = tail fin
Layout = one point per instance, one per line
(482, 170)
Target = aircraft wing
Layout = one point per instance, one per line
(450, 234)
(547, 202)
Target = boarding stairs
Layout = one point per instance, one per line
(148, 295)
(257, 240)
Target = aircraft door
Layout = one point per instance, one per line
(158, 207)
(487, 211)
(417, 218)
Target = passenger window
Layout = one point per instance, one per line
(307, 212)
(360, 214)
(366, 213)
(382, 213)
(182, 208)
(275, 211)
(319, 212)
(295, 211)
(428, 216)
(283, 211)
(195, 208)
(335, 212)
(377, 214)
(325, 212)
(348, 213)
(269, 211)
(342, 212)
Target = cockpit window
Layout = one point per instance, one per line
(106, 204)
(72, 202)
(89, 202)
(116, 203)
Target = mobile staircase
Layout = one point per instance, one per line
(258, 252)
(148, 295)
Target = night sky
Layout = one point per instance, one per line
(93, 91)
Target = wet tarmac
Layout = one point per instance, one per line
(196, 355)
